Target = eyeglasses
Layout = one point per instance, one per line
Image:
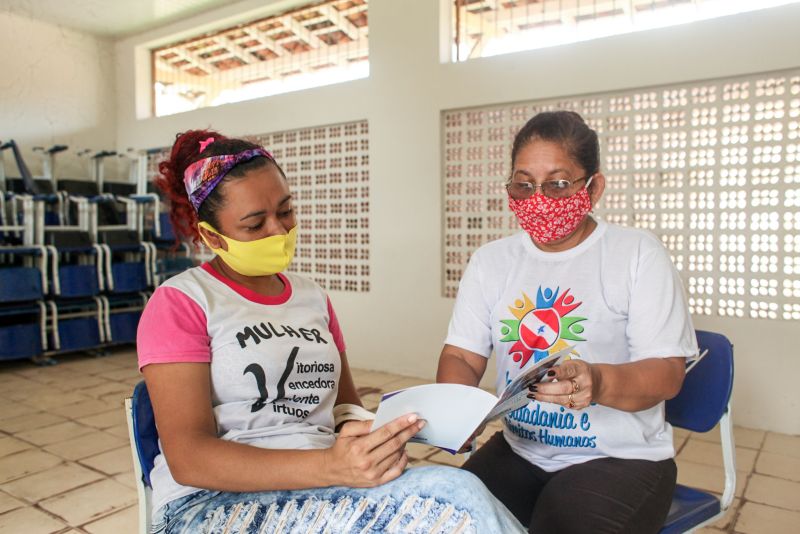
(551, 188)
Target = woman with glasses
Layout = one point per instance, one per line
(591, 451)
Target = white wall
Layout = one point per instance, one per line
(399, 326)
(57, 88)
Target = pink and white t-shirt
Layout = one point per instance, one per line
(274, 361)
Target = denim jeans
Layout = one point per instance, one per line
(422, 500)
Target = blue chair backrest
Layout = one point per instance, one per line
(145, 434)
(707, 387)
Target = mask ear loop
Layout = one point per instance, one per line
(588, 183)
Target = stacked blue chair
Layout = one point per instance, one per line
(77, 257)
(125, 269)
(23, 270)
(172, 259)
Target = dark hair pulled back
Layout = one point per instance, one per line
(185, 151)
(565, 128)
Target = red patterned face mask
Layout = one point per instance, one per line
(550, 219)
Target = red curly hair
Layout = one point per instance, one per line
(185, 151)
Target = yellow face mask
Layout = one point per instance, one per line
(261, 257)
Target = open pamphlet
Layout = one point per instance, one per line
(454, 411)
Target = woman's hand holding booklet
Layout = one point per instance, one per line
(454, 411)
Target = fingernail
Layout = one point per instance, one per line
(551, 373)
(531, 396)
(534, 388)
(412, 418)
(422, 424)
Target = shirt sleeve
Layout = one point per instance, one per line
(172, 329)
(333, 326)
(659, 323)
(469, 325)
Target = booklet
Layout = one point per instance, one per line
(454, 411)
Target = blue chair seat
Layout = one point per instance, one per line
(145, 433)
(690, 507)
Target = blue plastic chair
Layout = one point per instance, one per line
(144, 446)
(703, 402)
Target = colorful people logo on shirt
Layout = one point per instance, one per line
(542, 328)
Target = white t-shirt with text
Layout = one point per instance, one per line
(616, 297)
(274, 361)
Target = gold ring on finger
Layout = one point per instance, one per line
(571, 402)
(575, 387)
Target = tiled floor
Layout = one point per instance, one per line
(65, 463)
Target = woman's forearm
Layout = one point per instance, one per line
(637, 386)
(454, 369)
(211, 463)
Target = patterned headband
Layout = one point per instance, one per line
(201, 177)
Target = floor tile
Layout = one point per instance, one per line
(112, 462)
(742, 437)
(123, 522)
(709, 453)
(30, 391)
(403, 383)
(371, 401)
(779, 465)
(29, 521)
(756, 518)
(679, 442)
(420, 463)
(419, 450)
(11, 445)
(121, 374)
(113, 417)
(25, 463)
(55, 375)
(83, 381)
(45, 402)
(707, 477)
(55, 433)
(57, 480)
(372, 378)
(90, 366)
(116, 399)
(782, 444)
(445, 458)
(29, 422)
(486, 436)
(494, 426)
(730, 515)
(17, 384)
(126, 479)
(122, 358)
(8, 375)
(121, 431)
(9, 409)
(7, 503)
(80, 409)
(680, 432)
(774, 491)
(87, 445)
(91, 502)
(105, 389)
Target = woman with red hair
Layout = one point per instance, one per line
(247, 371)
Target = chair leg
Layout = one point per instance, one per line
(728, 458)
